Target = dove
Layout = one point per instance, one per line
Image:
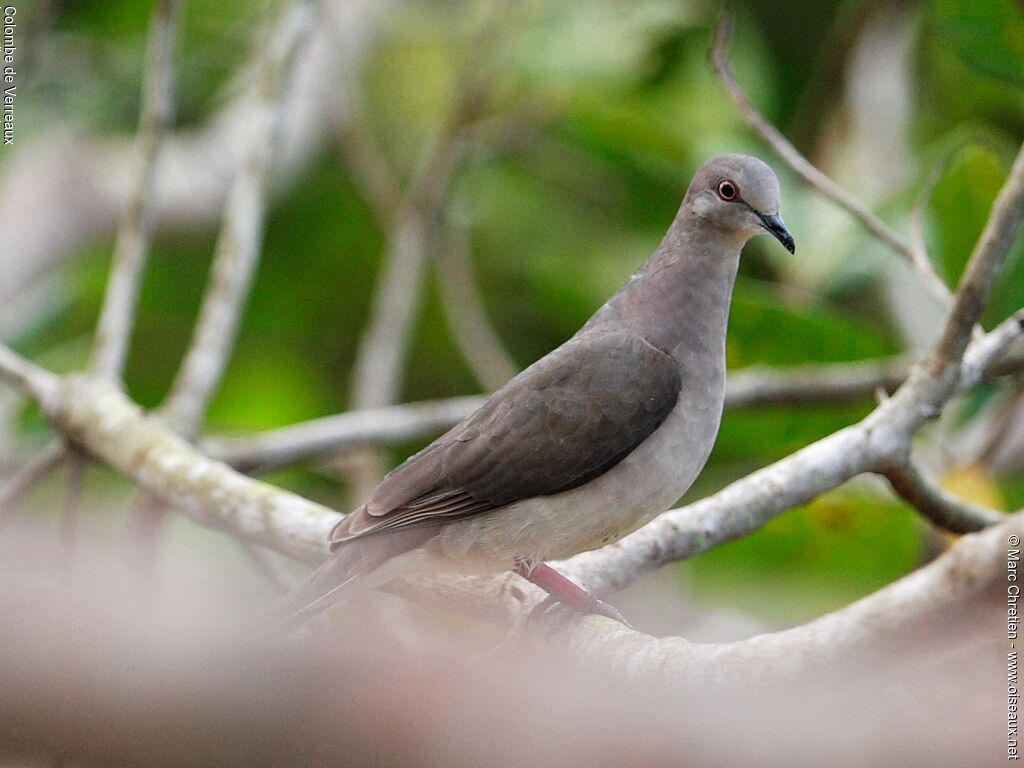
(587, 444)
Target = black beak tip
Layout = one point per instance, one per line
(775, 226)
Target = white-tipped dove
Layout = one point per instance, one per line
(587, 444)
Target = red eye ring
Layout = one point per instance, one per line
(727, 190)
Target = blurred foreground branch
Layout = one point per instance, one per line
(93, 676)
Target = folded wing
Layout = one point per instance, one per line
(565, 420)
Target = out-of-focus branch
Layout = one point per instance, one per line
(27, 377)
(807, 171)
(113, 331)
(746, 388)
(30, 473)
(463, 306)
(61, 190)
(814, 383)
(238, 246)
(366, 161)
(97, 684)
(72, 507)
(945, 510)
(276, 448)
(384, 345)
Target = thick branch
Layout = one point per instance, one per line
(932, 601)
(238, 246)
(97, 416)
(131, 248)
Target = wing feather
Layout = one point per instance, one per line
(563, 421)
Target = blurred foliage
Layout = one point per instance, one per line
(621, 110)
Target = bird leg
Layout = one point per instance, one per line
(563, 590)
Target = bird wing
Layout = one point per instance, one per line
(565, 420)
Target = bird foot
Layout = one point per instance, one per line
(562, 591)
(556, 607)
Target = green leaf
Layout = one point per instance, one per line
(959, 208)
(987, 34)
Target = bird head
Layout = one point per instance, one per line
(739, 194)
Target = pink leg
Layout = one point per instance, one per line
(561, 588)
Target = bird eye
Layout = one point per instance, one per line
(727, 190)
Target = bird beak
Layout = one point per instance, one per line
(777, 227)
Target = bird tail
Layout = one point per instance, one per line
(360, 564)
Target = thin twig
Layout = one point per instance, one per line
(944, 509)
(131, 248)
(384, 345)
(751, 387)
(72, 507)
(814, 383)
(464, 310)
(238, 246)
(282, 447)
(985, 356)
(806, 170)
(366, 161)
(31, 473)
(29, 378)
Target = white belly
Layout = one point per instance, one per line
(637, 489)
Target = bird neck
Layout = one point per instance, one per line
(679, 299)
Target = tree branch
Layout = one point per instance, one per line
(936, 597)
(37, 468)
(747, 388)
(113, 331)
(100, 418)
(277, 448)
(238, 246)
(59, 190)
(986, 355)
(941, 507)
(464, 310)
(383, 348)
(30, 379)
(803, 168)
